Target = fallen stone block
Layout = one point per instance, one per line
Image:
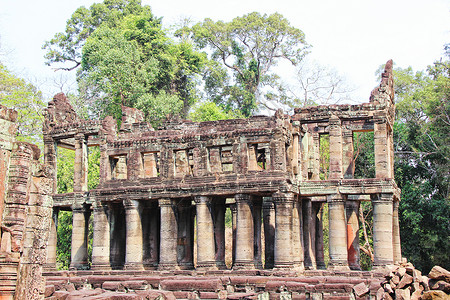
(439, 273)
(360, 289)
(440, 285)
(435, 295)
(402, 294)
(61, 295)
(406, 280)
(49, 290)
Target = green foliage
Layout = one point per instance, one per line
(422, 163)
(324, 159)
(248, 46)
(64, 241)
(16, 93)
(127, 59)
(363, 155)
(65, 166)
(210, 111)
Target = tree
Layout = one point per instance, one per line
(127, 59)
(422, 146)
(250, 47)
(16, 93)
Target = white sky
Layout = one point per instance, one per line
(352, 36)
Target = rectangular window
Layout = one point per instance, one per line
(226, 158)
(258, 155)
(184, 162)
(118, 165)
(150, 164)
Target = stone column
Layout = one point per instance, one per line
(257, 206)
(309, 234)
(320, 259)
(381, 149)
(396, 234)
(52, 242)
(382, 229)
(101, 239)
(337, 232)
(315, 174)
(168, 236)
(80, 227)
(352, 210)
(134, 240)
(244, 233)
(80, 164)
(347, 153)
(219, 231)
(297, 245)
(335, 148)
(205, 234)
(269, 231)
(283, 234)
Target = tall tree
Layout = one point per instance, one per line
(127, 59)
(250, 47)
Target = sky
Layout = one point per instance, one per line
(353, 37)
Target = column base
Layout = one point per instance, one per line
(338, 266)
(283, 265)
(168, 267)
(134, 266)
(244, 265)
(221, 265)
(206, 266)
(186, 266)
(79, 266)
(101, 266)
(49, 267)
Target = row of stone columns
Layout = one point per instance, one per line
(293, 233)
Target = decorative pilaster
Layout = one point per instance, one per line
(205, 234)
(382, 149)
(283, 234)
(101, 239)
(244, 233)
(134, 239)
(337, 232)
(168, 236)
(80, 227)
(382, 229)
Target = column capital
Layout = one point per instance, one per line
(79, 137)
(202, 199)
(279, 197)
(336, 198)
(130, 204)
(240, 198)
(164, 202)
(268, 203)
(382, 198)
(335, 120)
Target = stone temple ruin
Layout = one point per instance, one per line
(163, 193)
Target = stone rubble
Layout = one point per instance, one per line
(404, 282)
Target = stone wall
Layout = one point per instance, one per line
(25, 207)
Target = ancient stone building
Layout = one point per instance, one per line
(158, 187)
(26, 209)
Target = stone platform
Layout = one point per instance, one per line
(245, 284)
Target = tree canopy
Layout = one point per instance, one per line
(248, 46)
(24, 97)
(126, 58)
